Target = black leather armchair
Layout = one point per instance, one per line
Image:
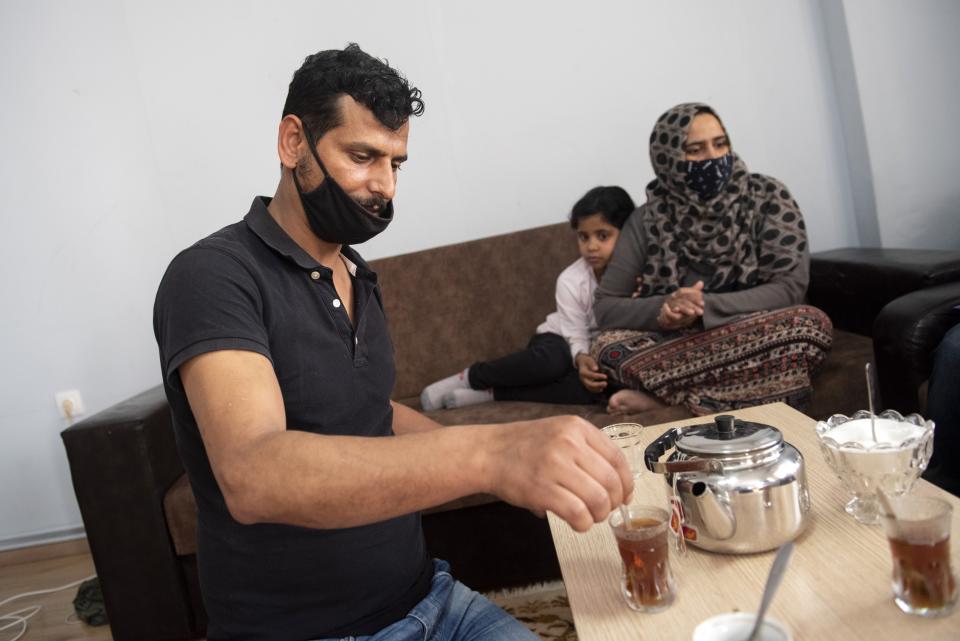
(122, 463)
(903, 298)
(905, 334)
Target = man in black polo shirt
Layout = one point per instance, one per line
(278, 367)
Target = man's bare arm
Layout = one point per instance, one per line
(407, 420)
(270, 474)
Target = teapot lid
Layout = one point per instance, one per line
(728, 435)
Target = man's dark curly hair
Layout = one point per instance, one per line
(327, 75)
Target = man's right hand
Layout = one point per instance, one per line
(562, 464)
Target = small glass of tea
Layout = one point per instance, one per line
(919, 534)
(646, 583)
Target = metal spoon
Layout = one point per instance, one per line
(773, 582)
(871, 393)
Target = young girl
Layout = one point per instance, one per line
(556, 366)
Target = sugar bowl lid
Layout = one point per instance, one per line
(728, 436)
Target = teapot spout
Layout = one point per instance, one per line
(715, 513)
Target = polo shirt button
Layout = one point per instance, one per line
(315, 275)
(356, 341)
(336, 302)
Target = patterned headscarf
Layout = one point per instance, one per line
(746, 235)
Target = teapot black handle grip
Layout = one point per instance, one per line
(659, 447)
(651, 457)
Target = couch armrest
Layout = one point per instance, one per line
(122, 461)
(905, 334)
(853, 284)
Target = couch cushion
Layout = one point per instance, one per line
(506, 411)
(180, 508)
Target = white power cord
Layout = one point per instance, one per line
(19, 618)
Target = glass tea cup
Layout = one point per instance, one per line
(626, 436)
(646, 580)
(919, 535)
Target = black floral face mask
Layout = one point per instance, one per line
(708, 177)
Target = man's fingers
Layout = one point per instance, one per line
(597, 494)
(595, 483)
(571, 509)
(599, 477)
(614, 457)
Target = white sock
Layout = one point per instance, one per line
(431, 398)
(464, 397)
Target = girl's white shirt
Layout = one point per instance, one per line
(574, 319)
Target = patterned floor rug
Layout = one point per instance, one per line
(542, 607)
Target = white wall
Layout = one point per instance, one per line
(528, 104)
(905, 55)
(85, 234)
(132, 129)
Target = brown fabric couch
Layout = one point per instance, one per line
(447, 307)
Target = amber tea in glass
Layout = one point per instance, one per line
(647, 581)
(919, 535)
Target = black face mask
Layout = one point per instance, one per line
(336, 217)
(708, 177)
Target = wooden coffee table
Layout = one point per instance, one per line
(837, 585)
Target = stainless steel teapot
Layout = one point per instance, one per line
(741, 487)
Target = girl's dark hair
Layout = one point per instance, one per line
(327, 75)
(613, 203)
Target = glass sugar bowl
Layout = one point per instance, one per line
(892, 460)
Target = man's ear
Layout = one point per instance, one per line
(290, 140)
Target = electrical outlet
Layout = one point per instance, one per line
(70, 404)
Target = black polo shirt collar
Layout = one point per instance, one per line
(271, 233)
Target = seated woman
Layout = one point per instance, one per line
(702, 298)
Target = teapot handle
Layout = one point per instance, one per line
(656, 450)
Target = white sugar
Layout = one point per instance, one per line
(889, 432)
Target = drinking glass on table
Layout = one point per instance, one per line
(919, 534)
(646, 582)
(626, 436)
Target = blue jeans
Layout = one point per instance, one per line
(451, 612)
